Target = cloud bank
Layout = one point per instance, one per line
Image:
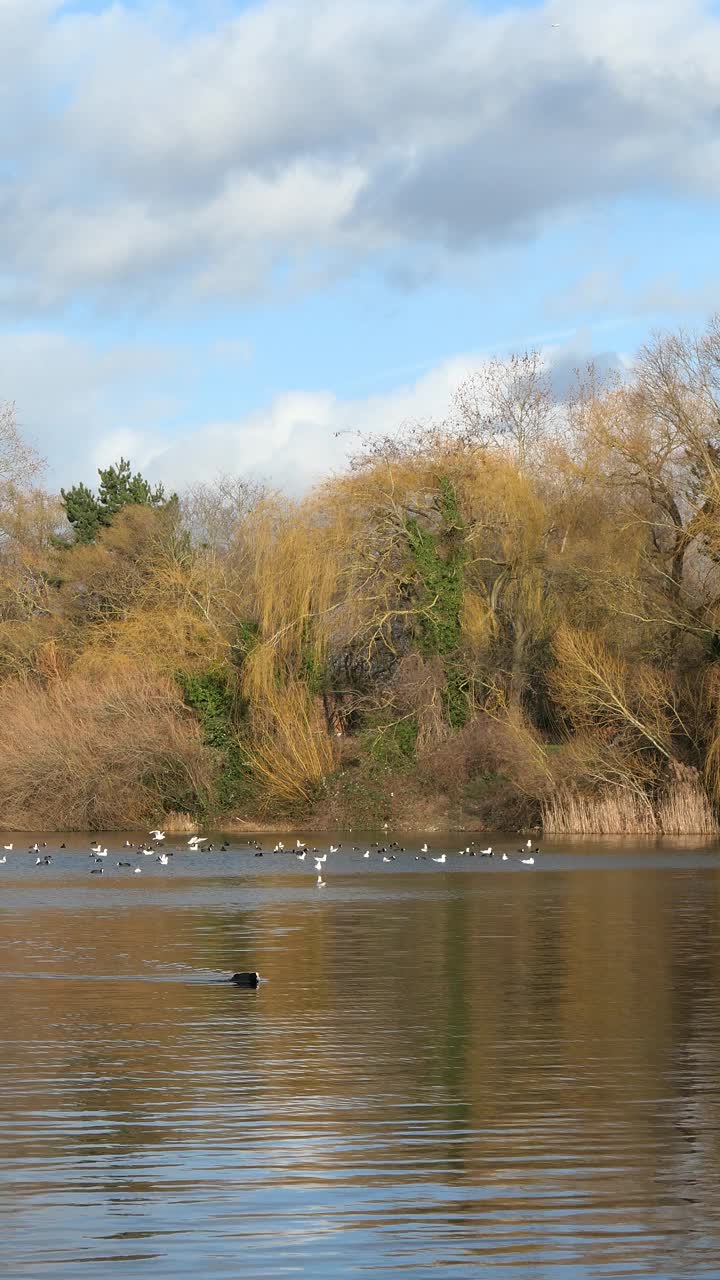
(159, 161)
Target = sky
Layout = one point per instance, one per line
(235, 236)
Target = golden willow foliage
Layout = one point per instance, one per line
(518, 606)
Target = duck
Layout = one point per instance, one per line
(245, 979)
(301, 856)
(34, 848)
(96, 871)
(124, 864)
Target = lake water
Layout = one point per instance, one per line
(480, 1069)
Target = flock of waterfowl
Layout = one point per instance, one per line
(154, 847)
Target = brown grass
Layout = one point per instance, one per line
(612, 813)
(682, 808)
(97, 754)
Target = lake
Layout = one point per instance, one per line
(481, 1069)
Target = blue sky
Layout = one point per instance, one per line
(235, 234)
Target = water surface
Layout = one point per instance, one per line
(477, 1069)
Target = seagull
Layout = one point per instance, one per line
(127, 845)
(486, 853)
(299, 844)
(137, 871)
(321, 883)
(324, 857)
(163, 859)
(34, 848)
(7, 846)
(301, 856)
(334, 848)
(528, 862)
(440, 859)
(101, 853)
(505, 857)
(424, 848)
(194, 841)
(366, 853)
(157, 835)
(3, 859)
(318, 864)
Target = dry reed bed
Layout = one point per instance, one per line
(682, 809)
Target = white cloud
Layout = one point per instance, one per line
(148, 155)
(75, 400)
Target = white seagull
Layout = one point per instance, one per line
(157, 835)
(7, 846)
(528, 862)
(440, 859)
(321, 883)
(163, 859)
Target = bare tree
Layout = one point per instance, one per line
(509, 404)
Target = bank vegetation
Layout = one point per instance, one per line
(510, 617)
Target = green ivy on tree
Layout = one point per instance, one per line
(88, 513)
